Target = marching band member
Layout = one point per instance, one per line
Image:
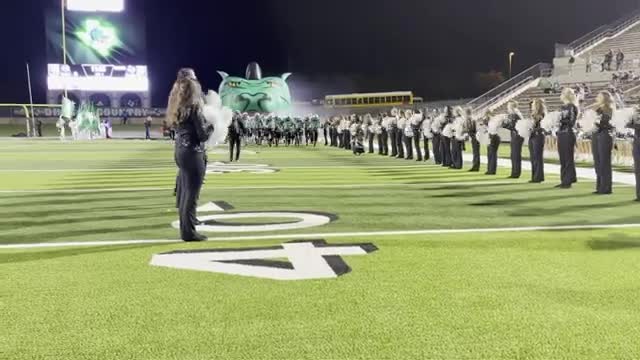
(493, 147)
(426, 134)
(393, 129)
(416, 125)
(602, 143)
(457, 140)
(371, 134)
(400, 134)
(381, 130)
(635, 125)
(567, 138)
(445, 140)
(517, 141)
(537, 140)
(408, 134)
(436, 129)
(472, 129)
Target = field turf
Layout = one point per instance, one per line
(500, 293)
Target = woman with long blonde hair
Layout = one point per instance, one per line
(185, 112)
(567, 138)
(537, 140)
(602, 143)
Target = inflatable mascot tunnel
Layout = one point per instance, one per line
(253, 93)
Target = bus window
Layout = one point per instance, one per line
(407, 99)
(366, 100)
(388, 99)
(360, 101)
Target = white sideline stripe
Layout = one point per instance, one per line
(326, 235)
(173, 168)
(581, 172)
(267, 187)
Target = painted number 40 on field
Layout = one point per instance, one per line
(305, 260)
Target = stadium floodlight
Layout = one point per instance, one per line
(96, 5)
(511, 55)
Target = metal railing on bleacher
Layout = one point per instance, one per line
(586, 41)
(510, 86)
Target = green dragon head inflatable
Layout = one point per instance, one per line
(255, 93)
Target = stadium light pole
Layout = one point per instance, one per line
(511, 54)
(64, 39)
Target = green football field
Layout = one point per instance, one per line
(467, 266)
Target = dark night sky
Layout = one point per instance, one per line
(430, 47)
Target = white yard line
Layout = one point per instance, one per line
(265, 187)
(327, 235)
(173, 168)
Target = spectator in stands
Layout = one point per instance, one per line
(588, 62)
(608, 59)
(572, 61)
(619, 60)
(618, 97)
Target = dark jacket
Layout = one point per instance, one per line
(193, 130)
(569, 117)
(605, 121)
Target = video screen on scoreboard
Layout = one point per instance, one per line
(105, 46)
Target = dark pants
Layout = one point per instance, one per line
(384, 136)
(394, 145)
(416, 143)
(566, 151)
(601, 146)
(427, 155)
(408, 143)
(445, 149)
(147, 133)
(437, 151)
(492, 154)
(234, 145)
(399, 142)
(456, 153)
(370, 137)
(475, 148)
(636, 161)
(536, 154)
(39, 130)
(190, 176)
(516, 154)
(324, 132)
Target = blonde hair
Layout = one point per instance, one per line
(608, 104)
(568, 96)
(538, 107)
(185, 93)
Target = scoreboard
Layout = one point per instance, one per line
(105, 47)
(98, 77)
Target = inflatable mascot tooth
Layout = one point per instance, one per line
(253, 93)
